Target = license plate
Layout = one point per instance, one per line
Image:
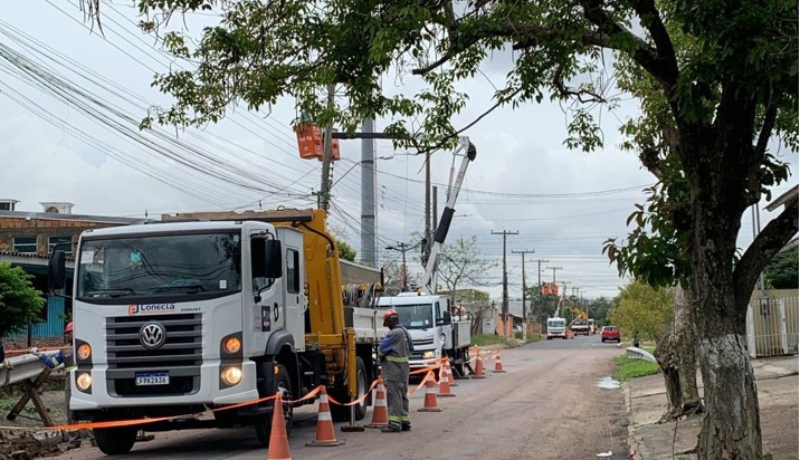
(158, 378)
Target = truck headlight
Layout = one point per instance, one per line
(231, 375)
(83, 380)
(84, 352)
(232, 345)
(429, 354)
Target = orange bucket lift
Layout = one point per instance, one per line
(310, 142)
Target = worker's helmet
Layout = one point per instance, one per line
(68, 329)
(389, 313)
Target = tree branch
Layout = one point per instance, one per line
(768, 243)
(662, 69)
(651, 19)
(766, 131)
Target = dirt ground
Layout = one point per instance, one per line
(19, 445)
(547, 406)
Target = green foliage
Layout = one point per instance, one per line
(20, 302)
(781, 273)
(630, 368)
(346, 251)
(644, 312)
(486, 339)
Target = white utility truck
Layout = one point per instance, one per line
(437, 333)
(212, 309)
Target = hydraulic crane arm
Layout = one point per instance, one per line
(429, 278)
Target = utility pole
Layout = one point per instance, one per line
(426, 248)
(325, 186)
(505, 234)
(403, 248)
(554, 272)
(368, 223)
(524, 310)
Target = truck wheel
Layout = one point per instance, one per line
(342, 413)
(115, 441)
(282, 385)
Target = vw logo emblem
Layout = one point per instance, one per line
(152, 335)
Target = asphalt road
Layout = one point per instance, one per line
(546, 406)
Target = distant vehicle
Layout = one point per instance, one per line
(556, 327)
(580, 327)
(609, 333)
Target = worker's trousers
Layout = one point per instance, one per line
(397, 400)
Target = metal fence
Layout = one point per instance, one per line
(772, 326)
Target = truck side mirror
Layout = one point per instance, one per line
(274, 255)
(445, 320)
(57, 270)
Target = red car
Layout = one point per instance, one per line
(609, 333)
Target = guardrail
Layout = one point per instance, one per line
(638, 353)
(21, 368)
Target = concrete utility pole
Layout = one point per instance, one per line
(325, 186)
(524, 310)
(426, 248)
(369, 227)
(505, 234)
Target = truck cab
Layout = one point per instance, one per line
(434, 331)
(556, 327)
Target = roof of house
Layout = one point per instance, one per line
(70, 217)
(29, 259)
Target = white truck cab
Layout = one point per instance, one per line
(434, 331)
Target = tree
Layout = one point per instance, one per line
(644, 312)
(20, 302)
(716, 81)
(462, 261)
(781, 273)
(346, 251)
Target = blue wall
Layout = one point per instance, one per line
(54, 327)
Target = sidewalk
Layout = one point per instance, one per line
(646, 402)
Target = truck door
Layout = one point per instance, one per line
(293, 312)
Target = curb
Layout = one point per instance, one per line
(633, 446)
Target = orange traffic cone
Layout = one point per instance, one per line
(278, 441)
(380, 410)
(444, 382)
(325, 436)
(478, 368)
(430, 395)
(498, 364)
(450, 378)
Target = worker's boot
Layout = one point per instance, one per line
(391, 428)
(406, 426)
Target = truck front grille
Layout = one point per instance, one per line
(181, 355)
(183, 345)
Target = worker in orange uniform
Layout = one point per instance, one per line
(394, 350)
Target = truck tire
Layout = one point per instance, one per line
(342, 413)
(115, 441)
(263, 426)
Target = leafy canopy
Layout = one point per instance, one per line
(643, 311)
(781, 273)
(687, 51)
(20, 302)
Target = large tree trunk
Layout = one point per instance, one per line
(686, 345)
(732, 427)
(677, 358)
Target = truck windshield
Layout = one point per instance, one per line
(160, 265)
(555, 323)
(416, 316)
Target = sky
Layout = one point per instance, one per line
(83, 145)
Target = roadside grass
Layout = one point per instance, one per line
(483, 340)
(629, 368)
